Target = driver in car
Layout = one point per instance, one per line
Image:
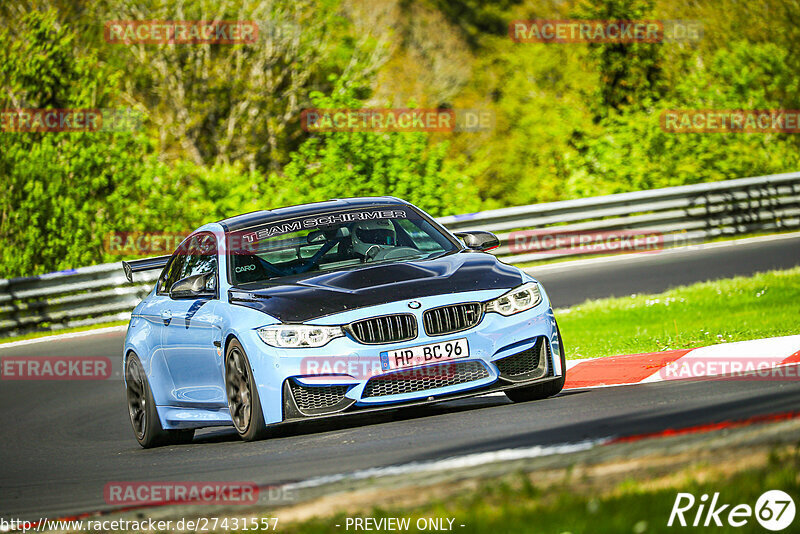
(370, 238)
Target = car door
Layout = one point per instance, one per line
(149, 327)
(192, 326)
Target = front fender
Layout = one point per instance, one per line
(264, 361)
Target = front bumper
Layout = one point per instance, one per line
(346, 379)
(303, 398)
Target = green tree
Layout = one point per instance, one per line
(348, 164)
(630, 73)
(632, 152)
(63, 192)
(221, 103)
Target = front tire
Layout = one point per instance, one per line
(542, 391)
(243, 401)
(143, 413)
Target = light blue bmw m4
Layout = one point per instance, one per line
(329, 309)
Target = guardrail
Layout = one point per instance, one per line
(71, 298)
(678, 215)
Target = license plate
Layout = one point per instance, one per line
(424, 354)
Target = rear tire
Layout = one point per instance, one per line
(143, 412)
(243, 401)
(542, 391)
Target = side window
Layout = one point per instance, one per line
(196, 255)
(171, 273)
(201, 255)
(199, 264)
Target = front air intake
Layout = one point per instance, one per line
(527, 365)
(425, 378)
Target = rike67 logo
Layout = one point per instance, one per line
(774, 510)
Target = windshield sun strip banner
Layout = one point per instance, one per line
(245, 238)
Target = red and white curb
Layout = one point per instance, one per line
(769, 358)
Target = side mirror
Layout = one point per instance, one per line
(195, 286)
(479, 240)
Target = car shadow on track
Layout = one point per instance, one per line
(356, 420)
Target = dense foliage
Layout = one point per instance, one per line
(222, 133)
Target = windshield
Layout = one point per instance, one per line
(335, 240)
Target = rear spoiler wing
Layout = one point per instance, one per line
(146, 264)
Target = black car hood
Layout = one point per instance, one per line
(333, 292)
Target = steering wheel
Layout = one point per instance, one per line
(371, 253)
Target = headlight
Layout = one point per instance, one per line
(518, 299)
(288, 336)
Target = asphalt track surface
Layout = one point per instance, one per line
(63, 441)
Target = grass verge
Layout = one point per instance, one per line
(515, 504)
(732, 309)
